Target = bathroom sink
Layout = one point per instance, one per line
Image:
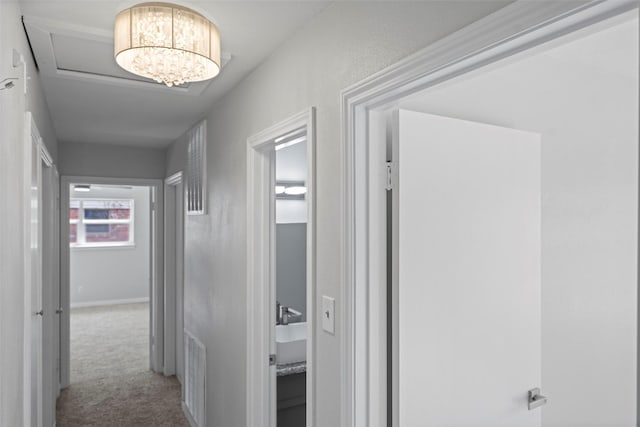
(291, 343)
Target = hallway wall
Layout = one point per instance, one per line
(111, 161)
(345, 43)
(13, 104)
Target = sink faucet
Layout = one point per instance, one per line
(285, 314)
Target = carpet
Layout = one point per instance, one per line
(111, 384)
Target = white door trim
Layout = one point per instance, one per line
(173, 243)
(261, 271)
(156, 290)
(518, 27)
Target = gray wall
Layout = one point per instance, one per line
(107, 274)
(13, 104)
(291, 267)
(111, 161)
(345, 43)
(585, 107)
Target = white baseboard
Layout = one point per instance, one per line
(108, 302)
(192, 422)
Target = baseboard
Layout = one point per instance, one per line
(109, 302)
(192, 422)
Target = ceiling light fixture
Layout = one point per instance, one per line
(168, 43)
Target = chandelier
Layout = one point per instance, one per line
(167, 43)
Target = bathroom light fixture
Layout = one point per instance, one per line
(82, 187)
(295, 190)
(168, 43)
(292, 190)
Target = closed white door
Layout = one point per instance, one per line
(35, 294)
(50, 293)
(466, 273)
(179, 275)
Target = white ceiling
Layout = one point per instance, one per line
(93, 101)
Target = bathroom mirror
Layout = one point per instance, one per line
(291, 231)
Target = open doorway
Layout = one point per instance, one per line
(579, 93)
(291, 283)
(280, 266)
(110, 264)
(112, 327)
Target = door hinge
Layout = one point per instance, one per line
(272, 359)
(389, 181)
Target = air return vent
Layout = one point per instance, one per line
(197, 169)
(195, 360)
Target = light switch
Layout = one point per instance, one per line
(328, 314)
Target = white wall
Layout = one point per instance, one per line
(583, 98)
(291, 211)
(12, 107)
(111, 161)
(110, 274)
(345, 43)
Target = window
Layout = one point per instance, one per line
(94, 223)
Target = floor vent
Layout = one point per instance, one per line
(195, 372)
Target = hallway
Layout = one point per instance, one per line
(111, 384)
(77, 119)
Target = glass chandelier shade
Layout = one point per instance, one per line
(168, 43)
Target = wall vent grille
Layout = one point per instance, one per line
(195, 358)
(197, 169)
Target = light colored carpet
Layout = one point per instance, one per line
(111, 384)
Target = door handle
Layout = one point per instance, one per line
(536, 400)
(59, 310)
(39, 313)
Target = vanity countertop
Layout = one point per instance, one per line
(291, 368)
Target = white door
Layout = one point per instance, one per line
(50, 292)
(56, 291)
(466, 273)
(179, 303)
(35, 265)
(174, 277)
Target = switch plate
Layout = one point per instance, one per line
(328, 314)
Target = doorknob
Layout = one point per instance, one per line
(59, 310)
(39, 313)
(536, 400)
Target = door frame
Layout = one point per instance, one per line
(156, 287)
(517, 27)
(261, 269)
(174, 211)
